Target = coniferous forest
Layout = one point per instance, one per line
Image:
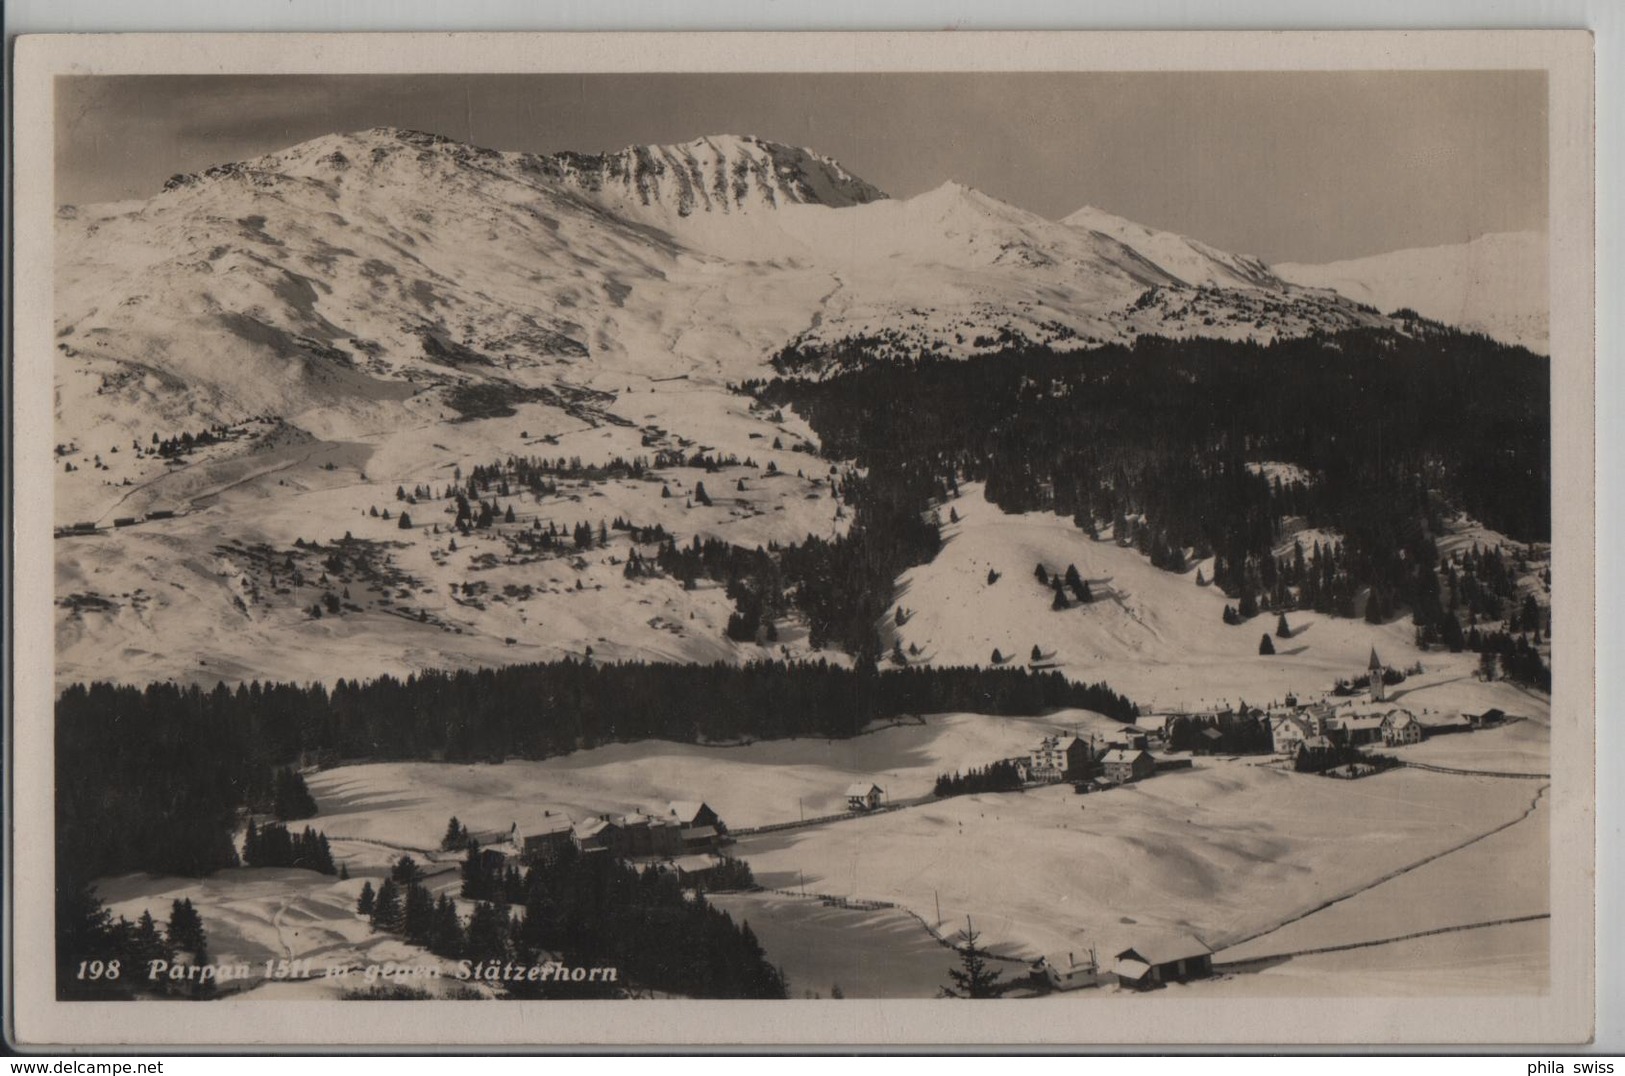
(156, 779)
(1157, 445)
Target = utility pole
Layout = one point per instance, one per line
(939, 904)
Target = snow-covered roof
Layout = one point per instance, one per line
(862, 788)
(1397, 718)
(549, 826)
(1362, 721)
(687, 810)
(1165, 949)
(1122, 754)
(1131, 969)
(592, 827)
(699, 833)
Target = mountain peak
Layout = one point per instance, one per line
(714, 174)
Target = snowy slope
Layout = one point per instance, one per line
(1189, 260)
(1495, 284)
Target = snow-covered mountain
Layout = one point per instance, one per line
(341, 325)
(720, 174)
(1495, 284)
(355, 270)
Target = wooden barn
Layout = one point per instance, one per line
(1153, 963)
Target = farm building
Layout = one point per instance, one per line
(1069, 972)
(546, 842)
(1150, 964)
(1401, 727)
(1123, 765)
(864, 796)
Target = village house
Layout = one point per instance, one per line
(546, 841)
(690, 813)
(1357, 730)
(1315, 752)
(596, 835)
(1123, 765)
(1401, 727)
(864, 796)
(1150, 964)
(1288, 730)
(700, 829)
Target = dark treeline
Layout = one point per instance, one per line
(994, 777)
(583, 911)
(1154, 441)
(271, 845)
(157, 779)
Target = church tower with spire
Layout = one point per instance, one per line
(1379, 690)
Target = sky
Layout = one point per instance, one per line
(1287, 166)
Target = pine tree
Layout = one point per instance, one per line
(364, 903)
(386, 908)
(456, 836)
(405, 523)
(973, 978)
(700, 496)
(998, 658)
(405, 871)
(1041, 575)
(1282, 629)
(185, 931)
(1060, 601)
(1265, 646)
(488, 933)
(446, 934)
(147, 944)
(417, 916)
(1038, 655)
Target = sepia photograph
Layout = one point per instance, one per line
(904, 529)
